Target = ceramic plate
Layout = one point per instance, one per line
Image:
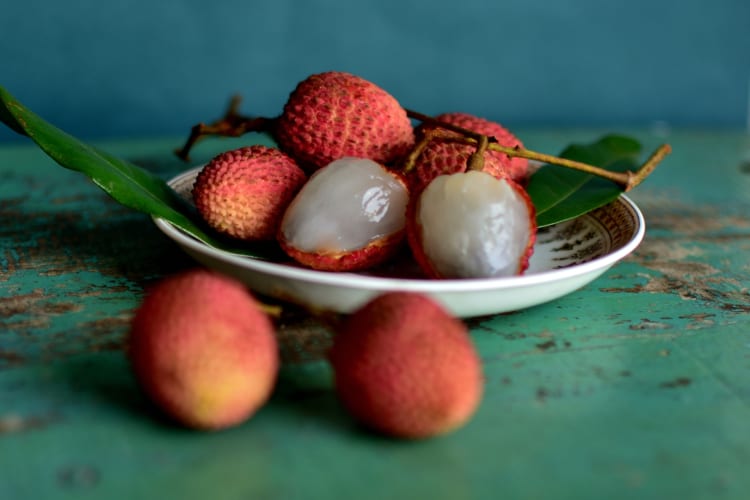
(566, 257)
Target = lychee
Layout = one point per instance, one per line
(203, 350)
(405, 367)
(336, 114)
(443, 157)
(350, 215)
(243, 193)
(472, 225)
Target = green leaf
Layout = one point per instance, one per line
(561, 193)
(127, 183)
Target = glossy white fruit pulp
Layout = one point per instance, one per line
(344, 206)
(473, 225)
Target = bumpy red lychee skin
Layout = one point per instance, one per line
(369, 256)
(404, 367)
(414, 234)
(243, 193)
(441, 157)
(336, 114)
(203, 350)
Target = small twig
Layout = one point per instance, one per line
(648, 167)
(427, 137)
(232, 124)
(627, 180)
(476, 160)
(427, 119)
(273, 311)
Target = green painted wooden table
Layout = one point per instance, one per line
(636, 386)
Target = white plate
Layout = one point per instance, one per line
(566, 257)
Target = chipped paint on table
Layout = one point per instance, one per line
(636, 386)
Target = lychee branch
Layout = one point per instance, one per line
(627, 180)
(232, 124)
(476, 160)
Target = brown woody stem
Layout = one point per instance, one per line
(447, 126)
(627, 180)
(418, 148)
(476, 160)
(232, 124)
(273, 311)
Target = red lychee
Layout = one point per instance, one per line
(243, 193)
(471, 225)
(336, 114)
(349, 216)
(405, 367)
(203, 350)
(442, 157)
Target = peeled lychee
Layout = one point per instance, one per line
(405, 367)
(335, 114)
(472, 225)
(243, 193)
(350, 215)
(203, 350)
(442, 157)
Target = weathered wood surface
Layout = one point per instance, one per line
(637, 386)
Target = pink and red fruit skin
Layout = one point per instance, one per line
(404, 367)
(335, 114)
(441, 157)
(367, 257)
(203, 350)
(243, 193)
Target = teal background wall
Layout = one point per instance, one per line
(142, 67)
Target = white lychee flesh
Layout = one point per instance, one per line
(473, 225)
(344, 206)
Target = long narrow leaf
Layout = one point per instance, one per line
(127, 183)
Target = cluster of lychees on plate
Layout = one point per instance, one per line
(353, 177)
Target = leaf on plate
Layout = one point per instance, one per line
(560, 193)
(127, 183)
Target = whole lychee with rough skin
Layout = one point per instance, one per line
(472, 225)
(203, 350)
(336, 114)
(442, 157)
(349, 216)
(243, 193)
(405, 367)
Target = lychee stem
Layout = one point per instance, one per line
(645, 170)
(418, 148)
(627, 180)
(273, 311)
(476, 160)
(232, 124)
